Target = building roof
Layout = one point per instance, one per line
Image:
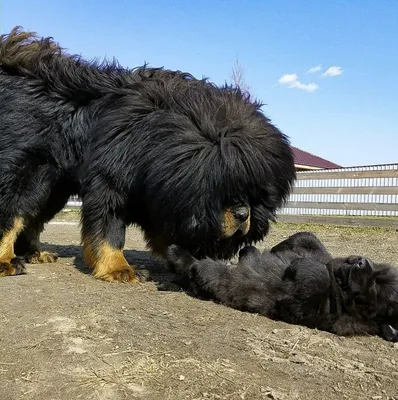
(304, 158)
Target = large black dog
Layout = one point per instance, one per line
(299, 282)
(187, 161)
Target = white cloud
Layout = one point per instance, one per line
(333, 71)
(287, 78)
(309, 87)
(291, 81)
(314, 69)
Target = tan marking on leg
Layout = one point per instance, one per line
(33, 254)
(112, 266)
(8, 264)
(8, 239)
(88, 254)
(12, 267)
(109, 263)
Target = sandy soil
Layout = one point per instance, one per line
(65, 335)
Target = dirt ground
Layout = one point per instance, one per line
(65, 335)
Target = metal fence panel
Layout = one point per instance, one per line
(353, 191)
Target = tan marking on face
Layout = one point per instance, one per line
(231, 224)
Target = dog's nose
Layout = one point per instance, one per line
(361, 262)
(358, 261)
(241, 214)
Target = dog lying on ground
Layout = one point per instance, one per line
(299, 282)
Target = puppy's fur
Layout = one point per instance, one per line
(299, 282)
(187, 161)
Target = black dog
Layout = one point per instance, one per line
(299, 282)
(188, 162)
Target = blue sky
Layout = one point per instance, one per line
(348, 115)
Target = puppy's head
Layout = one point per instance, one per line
(370, 290)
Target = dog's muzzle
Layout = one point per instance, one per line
(236, 221)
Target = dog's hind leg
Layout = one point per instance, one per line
(28, 245)
(28, 242)
(32, 192)
(9, 263)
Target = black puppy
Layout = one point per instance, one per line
(299, 282)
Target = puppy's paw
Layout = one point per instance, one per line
(179, 259)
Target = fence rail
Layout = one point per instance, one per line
(368, 191)
(355, 191)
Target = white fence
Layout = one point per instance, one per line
(354, 191)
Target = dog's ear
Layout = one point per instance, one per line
(179, 258)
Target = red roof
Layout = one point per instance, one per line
(302, 157)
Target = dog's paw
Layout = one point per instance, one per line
(123, 273)
(41, 257)
(15, 266)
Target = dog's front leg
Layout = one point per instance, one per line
(103, 236)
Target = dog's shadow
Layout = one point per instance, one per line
(152, 269)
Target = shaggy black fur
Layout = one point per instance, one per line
(188, 162)
(299, 282)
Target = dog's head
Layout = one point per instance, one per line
(218, 172)
(369, 289)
